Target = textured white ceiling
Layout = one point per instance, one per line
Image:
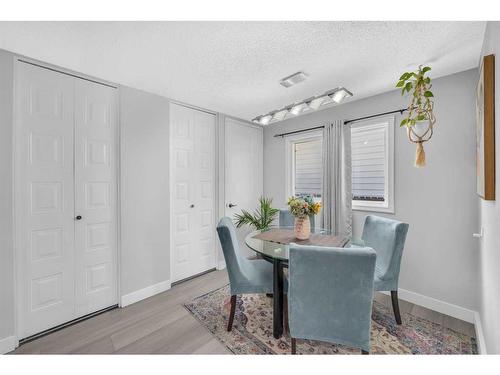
(234, 67)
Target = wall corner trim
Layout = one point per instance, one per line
(8, 344)
(481, 342)
(144, 293)
(221, 265)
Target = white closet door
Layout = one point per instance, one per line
(192, 160)
(65, 158)
(243, 171)
(44, 198)
(95, 197)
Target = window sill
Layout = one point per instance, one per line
(385, 210)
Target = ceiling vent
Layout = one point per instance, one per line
(293, 79)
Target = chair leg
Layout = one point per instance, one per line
(231, 313)
(294, 346)
(364, 352)
(285, 313)
(395, 306)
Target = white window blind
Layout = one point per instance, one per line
(369, 146)
(308, 167)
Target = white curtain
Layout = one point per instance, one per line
(337, 184)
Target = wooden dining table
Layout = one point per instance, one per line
(273, 245)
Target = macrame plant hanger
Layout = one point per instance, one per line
(420, 139)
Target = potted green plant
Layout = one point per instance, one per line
(261, 218)
(302, 208)
(420, 110)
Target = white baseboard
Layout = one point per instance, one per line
(8, 344)
(144, 293)
(481, 342)
(437, 305)
(221, 265)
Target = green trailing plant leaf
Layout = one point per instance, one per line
(262, 216)
(418, 85)
(405, 76)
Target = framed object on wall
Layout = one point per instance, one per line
(485, 129)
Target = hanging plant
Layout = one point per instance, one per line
(420, 111)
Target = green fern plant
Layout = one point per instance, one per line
(262, 217)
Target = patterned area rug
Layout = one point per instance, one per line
(252, 330)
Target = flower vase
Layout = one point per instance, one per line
(302, 228)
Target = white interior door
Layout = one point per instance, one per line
(45, 198)
(192, 163)
(95, 197)
(65, 167)
(243, 170)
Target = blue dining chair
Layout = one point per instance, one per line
(387, 237)
(288, 220)
(245, 276)
(330, 293)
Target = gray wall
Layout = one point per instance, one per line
(145, 210)
(438, 201)
(489, 262)
(6, 197)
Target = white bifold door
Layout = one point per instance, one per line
(192, 168)
(66, 194)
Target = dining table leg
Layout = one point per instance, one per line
(277, 299)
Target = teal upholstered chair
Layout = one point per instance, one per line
(330, 293)
(288, 220)
(245, 276)
(387, 237)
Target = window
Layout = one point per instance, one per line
(372, 146)
(304, 170)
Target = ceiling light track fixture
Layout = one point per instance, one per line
(311, 104)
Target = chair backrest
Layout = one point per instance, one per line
(387, 237)
(288, 220)
(330, 294)
(236, 264)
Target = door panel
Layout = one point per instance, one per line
(95, 196)
(204, 180)
(243, 171)
(193, 196)
(182, 151)
(45, 198)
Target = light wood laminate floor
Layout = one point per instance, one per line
(161, 325)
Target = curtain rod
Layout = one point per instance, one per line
(346, 122)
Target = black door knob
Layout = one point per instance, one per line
(230, 205)
(78, 217)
